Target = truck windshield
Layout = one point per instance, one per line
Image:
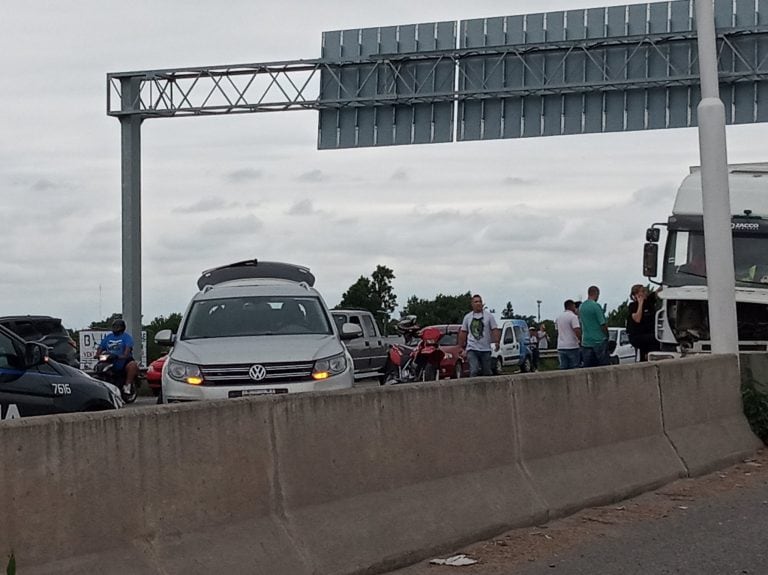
(685, 259)
(260, 315)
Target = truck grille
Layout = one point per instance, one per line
(288, 372)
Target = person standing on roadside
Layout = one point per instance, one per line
(478, 336)
(568, 337)
(533, 345)
(594, 331)
(641, 324)
(542, 337)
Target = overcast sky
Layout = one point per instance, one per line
(514, 220)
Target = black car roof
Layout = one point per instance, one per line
(250, 269)
(29, 318)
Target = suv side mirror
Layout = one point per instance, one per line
(652, 235)
(650, 260)
(165, 337)
(34, 354)
(350, 331)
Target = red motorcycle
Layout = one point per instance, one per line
(419, 362)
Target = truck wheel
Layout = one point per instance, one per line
(526, 367)
(458, 369)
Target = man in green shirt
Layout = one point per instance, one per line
(594, 331)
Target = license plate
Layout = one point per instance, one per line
(249, 392)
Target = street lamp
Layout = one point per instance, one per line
(538, 310)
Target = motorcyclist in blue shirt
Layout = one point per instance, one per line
(120, 345)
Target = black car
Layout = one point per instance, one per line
(31, 384)
(47, 330)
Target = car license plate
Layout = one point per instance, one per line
(249, 392)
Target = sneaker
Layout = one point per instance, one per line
(127, 389)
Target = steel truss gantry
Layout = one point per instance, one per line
(391, 79)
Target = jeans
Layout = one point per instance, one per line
(569, 358)
(479, 362)
(596, 356)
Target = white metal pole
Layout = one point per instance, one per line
(718, 241)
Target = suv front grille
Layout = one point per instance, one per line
(288, 372)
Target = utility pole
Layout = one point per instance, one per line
(716, 203)
(538, 310)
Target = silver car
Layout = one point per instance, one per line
(255, 336)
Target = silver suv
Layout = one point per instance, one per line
(255, 328)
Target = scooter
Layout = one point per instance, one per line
(104, 370)
(407, 364)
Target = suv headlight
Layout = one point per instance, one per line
(325, 368)
(184, 372)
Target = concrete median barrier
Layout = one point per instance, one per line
(593, 436)
(409, 470)
(703, 413)
(352, 482)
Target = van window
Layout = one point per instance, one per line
(508, 335)
(521, 334)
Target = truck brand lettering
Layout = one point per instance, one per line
(742, 227)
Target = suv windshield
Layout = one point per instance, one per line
(259, 315)
(685, 263)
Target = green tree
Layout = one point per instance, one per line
(618, 317)
(374, 294)
(441, 310)
(107, 323)
(159, 323)
(508, 312)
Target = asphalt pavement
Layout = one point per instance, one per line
(715, 525)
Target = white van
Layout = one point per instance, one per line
(624, 351)
(513, 347)
(255, 328)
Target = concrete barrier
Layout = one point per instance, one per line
(579, 454)
(352, 482)
(408, 471)
(703, 413)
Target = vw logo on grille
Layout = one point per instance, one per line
(257, 372)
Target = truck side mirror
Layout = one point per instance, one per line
(650, 260)
(652, 235)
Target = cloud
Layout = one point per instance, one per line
(231, 227)
(203, 206)
(303, 208)
(43, 185)
(312, 177)
(244, 175)
(399, 175)
(515, 181)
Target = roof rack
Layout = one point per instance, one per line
(252, 269)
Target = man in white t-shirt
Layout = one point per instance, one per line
(568, 337)
(477, 334)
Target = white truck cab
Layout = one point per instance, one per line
(255, 328)
(682, 323)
